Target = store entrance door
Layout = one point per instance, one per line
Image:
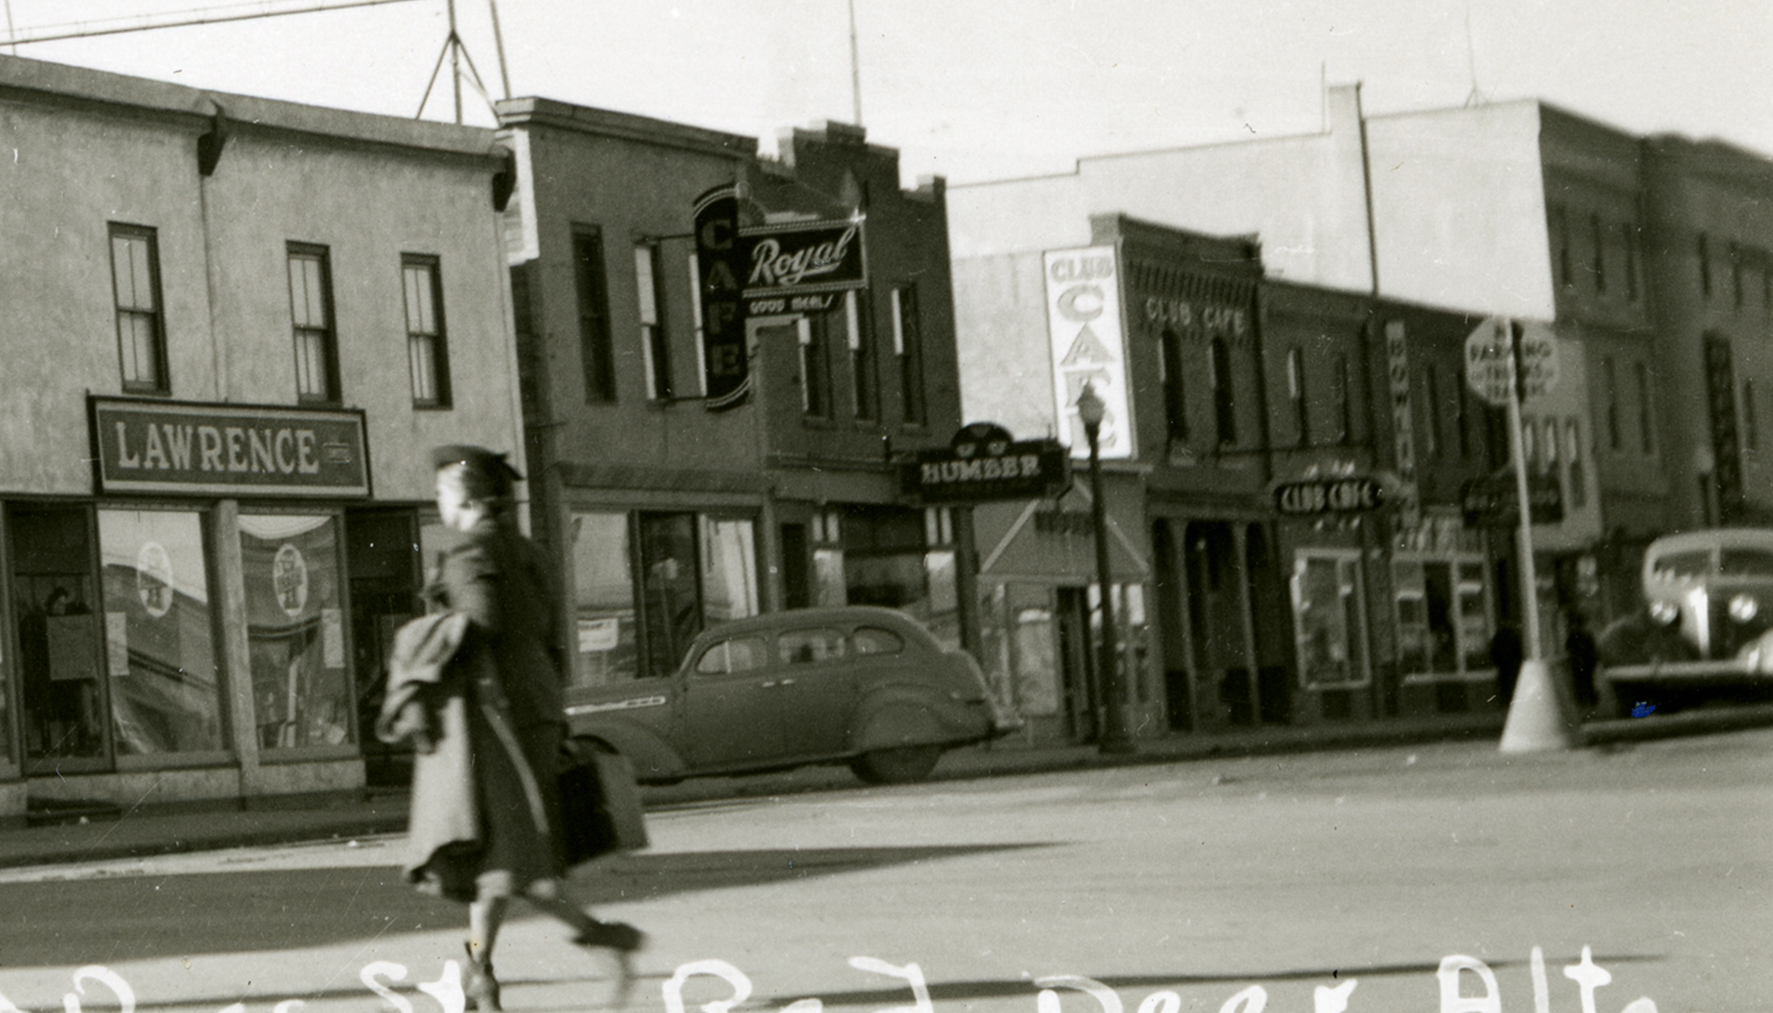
(385, 582)
(1077, 664)
(67, 724)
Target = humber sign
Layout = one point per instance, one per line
(983, 463)
(227, 450)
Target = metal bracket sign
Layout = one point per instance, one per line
(227, 450)
(719, 262)
(802, 267)
(1494, 502)
(983, 464)
(1315, 496)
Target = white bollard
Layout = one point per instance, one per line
(1539, 719)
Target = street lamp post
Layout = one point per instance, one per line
(1114, 737)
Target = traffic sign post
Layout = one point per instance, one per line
(1507, 362)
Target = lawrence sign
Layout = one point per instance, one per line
(227, 450)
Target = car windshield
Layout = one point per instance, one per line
(1748, 562)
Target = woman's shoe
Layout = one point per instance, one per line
(618, 936)
(481, 989)
(621, 939)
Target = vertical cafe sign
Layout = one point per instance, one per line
(720, 264)
(1086, 330)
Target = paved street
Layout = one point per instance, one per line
(1180, 887)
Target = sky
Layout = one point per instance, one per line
(968, 89)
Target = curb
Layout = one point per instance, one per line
(147, 834)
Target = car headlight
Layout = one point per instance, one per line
(1664, 613)
(1743, 607)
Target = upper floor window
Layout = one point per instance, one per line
(310, 312)
(1737, 289)
(1646, 412)
(1578, 484)
(1610, 391)
(1599, 264)
(1702, 247)
(655, 347)
(1631, 261)
(1170, 374)
(908, 348)
(1296, 395)
(592, 284)
(815, 376)
(1224, 397)
(863, 385)
(1431, 433)
(427, 347)
(1560, 235)
(1341, 400)
(141, 328)
(1751, 427)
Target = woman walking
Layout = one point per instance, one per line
(482, 703)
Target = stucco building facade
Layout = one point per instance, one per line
(237, 327)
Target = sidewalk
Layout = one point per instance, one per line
(152, 831)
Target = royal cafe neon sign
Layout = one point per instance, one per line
(1086, 330)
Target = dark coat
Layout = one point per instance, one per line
(485, 805)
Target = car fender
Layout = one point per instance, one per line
(654, 760)
(894, 716)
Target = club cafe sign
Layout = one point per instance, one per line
(227, 450)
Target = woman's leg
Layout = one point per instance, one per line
(484, 918)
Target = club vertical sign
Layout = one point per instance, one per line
(1084, 323)
(720, 264)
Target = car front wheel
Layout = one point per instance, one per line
(902, 765)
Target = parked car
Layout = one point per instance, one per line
(1705, 631)
(861, 685)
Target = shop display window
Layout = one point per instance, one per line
(159, 651)
(301, 681)
(605, 641)
(1327, 620)
(1443, 616)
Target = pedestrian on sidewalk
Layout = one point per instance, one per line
(487, 718)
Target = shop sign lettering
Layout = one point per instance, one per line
(1329, 496)
(1027, 469)
(1088, 345)
(719, 260)
(1463, 984)
(227, 450)
(1199, 320)
(802, 257)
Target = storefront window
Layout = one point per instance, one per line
(729, 569)
(670, 606)
(1326, 599)
(158, 633)
(1443, 616)
(603, 600)
(1034, 643)
(295, 630)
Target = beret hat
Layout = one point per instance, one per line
(487, 462)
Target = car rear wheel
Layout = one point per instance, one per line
(902, 765)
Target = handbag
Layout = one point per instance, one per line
(600, 806)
